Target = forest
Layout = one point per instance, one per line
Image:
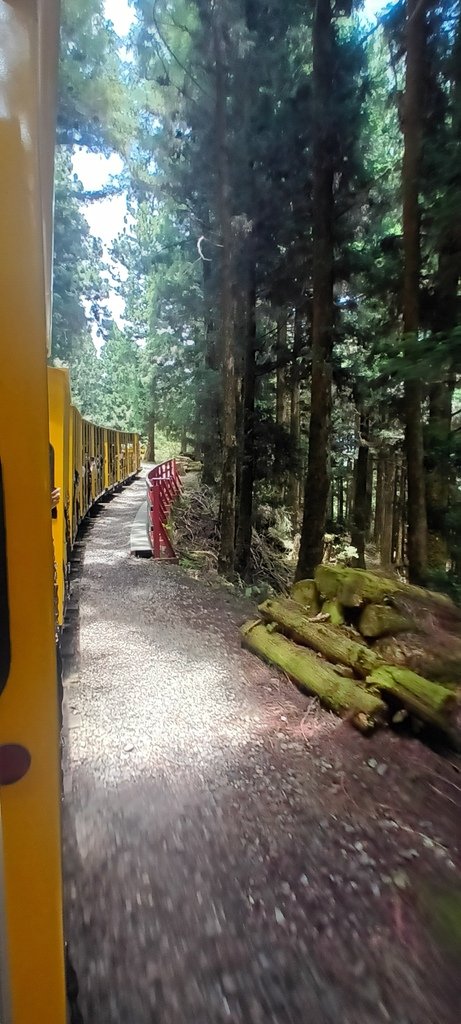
(290, 264)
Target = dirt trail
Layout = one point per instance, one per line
(233, 853)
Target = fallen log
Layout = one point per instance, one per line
(436, 655)
(335, 612)
(383, 620)
(365, 709)
(305, 592)
(354, 587)
(428, 701)
(332, 643)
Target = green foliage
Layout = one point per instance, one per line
(80, 291)
(97, 110)
(158, 109)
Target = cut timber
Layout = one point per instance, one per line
(354, 587)
(436, 655)
(383, 620)
(428, 701)
(344, 696)
(305, 592)
(335, 611)
(323, 638)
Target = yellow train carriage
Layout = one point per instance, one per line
(87, 463)
(43, 441)
(32, 982)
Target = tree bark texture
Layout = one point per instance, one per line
(150, 453)
(415, 32)
(378, 520)
(360, 514)
(209, 404)
(439, 469)
(229, 440)
(282, 388)
(323, 148)
(385, 546)
(397, 512)
(245, 517)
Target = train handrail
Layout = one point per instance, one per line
(163, 487)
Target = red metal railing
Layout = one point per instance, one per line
(163, 486)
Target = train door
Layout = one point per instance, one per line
(32, 988)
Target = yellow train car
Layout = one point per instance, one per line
(44, 442)
(88, 463)
(32, 975)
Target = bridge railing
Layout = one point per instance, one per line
(163, 486)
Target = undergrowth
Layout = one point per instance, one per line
(196, 540)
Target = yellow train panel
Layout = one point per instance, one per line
(77, 469)
(31, 933)
(60, 413)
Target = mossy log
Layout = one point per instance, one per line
(354, 587)
(383, 620)
(435, 656)
(305, 592)
(428, 701)
(343, 696)
(335, 611)
(322, 637)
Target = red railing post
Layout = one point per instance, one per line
(155, 520)
(163, 486)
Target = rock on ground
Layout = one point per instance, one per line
(233, 853)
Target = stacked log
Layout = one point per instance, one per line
(186, 464)
(329, 635)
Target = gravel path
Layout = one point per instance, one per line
(232, 853)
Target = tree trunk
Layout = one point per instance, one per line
(402, 545)
(360, 511)
(282, 400)
(385, 547)
(439, 469)
(282, 389)
(295, 434)
(369, 505)
(245, 517)
(439, 473)
(227, 510)
(324, 163)
(296, 474)
(208, 410)
(413, 135)
(378, 523)
(150, 453)
(240, 322)
(397, 512)
(341, 500)
(349, 492)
